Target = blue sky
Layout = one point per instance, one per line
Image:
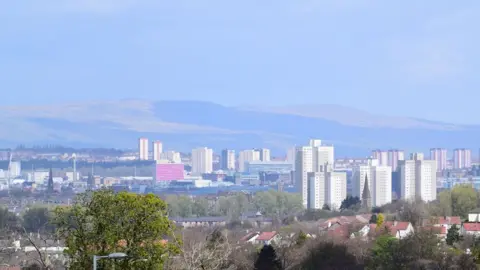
(412, 58)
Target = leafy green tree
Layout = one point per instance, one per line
(383, 252)
(200, 207)
(464, 199)
(37, 219)
(453, 235)
(267, 259)
(327, 255)
(326, 207)
(8, 220)
(104, 222)
(353, 203)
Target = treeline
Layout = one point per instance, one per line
(270, 203)
(378, 251)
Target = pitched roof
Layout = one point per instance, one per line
(471, 227)
(249, 236)
(446, 220)
(398, 225)
(266, 236)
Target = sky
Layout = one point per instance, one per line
(407, 58)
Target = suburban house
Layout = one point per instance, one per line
(444, 221)
(472, 226)
(398, 229)
(250, 237)
(267, 238)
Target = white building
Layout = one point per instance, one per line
(157, 147)
(264, 154)
(336, 189)
(381, 156)
(171, 156)
(15, 169)
(316, 190)
(304, 165)
(247, 156)
(418, 179)
(228, 159)
(379, 181)
(143, 149)
(291, 153)
(202, 160)
(312, 158)
(326, 187)
(325, 155)
(462, 158)
(440, 156)
(394, 156)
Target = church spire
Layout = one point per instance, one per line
(366, 196)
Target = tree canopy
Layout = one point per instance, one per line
(104, 222)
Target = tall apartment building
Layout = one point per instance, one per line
(308, 159)
(326, 187)
(381, 156)
(379, 182)
(157, 150)
(291, 153)
(395, 155)
(264, 154)
(418, 179)
(143, 149)
(440, 157)
(228, 159)
(171, 156)
(462, 158)
(247, 156)
(202, 160)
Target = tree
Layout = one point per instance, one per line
(267, 259)
(326, 207)
(103, 222)
(380, 220)
(351, 202)
(327, 255)
(200, 207)
(464, 199)
(453, 235)
(37, 219)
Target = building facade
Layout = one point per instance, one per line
(379, 182)
(157, 148)
(440, 157)
(462, 158)
(202, 160)
(247, 156)
(418, 179)
(143, 149)
(228, 159)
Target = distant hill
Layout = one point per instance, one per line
(183, 125)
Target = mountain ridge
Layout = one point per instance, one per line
(183, 125)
